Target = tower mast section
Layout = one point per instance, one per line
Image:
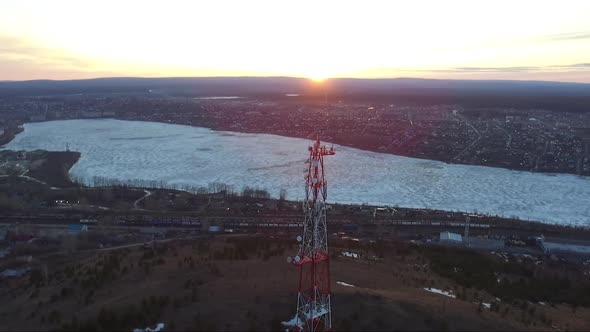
(313, 260)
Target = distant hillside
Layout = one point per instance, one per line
(555, 95)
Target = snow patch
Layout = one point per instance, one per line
(320, 311)
(158, 327)
(441, 292)
(293, 322)
(351, 254)
(344, 284)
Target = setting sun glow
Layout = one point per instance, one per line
(438, 39)
(317, 76)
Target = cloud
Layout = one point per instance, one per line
(575, 65)
(576, 72)
(567, 36)
(23, 59)
(507, 69)
(497, 69)
(23, 51)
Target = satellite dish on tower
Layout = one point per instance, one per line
(289, 260)
(299, 238)
(297, 259)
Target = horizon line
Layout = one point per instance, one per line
(288, 77)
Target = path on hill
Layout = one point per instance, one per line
(147, 194)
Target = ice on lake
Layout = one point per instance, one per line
(184, 155)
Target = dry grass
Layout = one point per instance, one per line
(215, 292)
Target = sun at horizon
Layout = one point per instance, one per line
(317, 79)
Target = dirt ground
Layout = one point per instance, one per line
(245, 283)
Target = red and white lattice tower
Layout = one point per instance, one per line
(312, 260)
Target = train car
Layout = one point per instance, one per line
(215, 229)
(350, 227)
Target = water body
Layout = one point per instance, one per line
(184, 155)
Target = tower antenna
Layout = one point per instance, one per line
(313, 297)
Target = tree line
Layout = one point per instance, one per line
(211, 188)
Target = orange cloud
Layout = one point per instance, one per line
(22, 59)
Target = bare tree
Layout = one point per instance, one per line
(283, 194)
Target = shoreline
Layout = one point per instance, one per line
(363, 148)
(347, 202)
(360, 147)
(310, 139)
(7, 137)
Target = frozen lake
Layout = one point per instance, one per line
(183, 155)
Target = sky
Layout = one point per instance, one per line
(462, 39)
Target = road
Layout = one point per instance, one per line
(460, 117)
(580, 163)
(541, 155)
(132, 245)
(509, 141)
(23, 176)
(135, 204)
(142, 243)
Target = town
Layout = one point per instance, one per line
(537, 140)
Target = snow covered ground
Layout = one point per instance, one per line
(294, 321)
(184, 155)
(351, 254)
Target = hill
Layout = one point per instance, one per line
(553, 95)
(244, 283)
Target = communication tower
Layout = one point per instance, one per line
(313, 261)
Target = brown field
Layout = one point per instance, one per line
(244, 283)
(54, 168)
